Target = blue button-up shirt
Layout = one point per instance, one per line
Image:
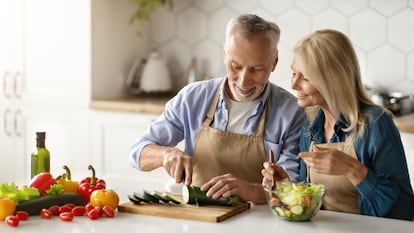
(386, 190)
(185, 113)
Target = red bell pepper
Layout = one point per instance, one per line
(42, 181)
(90, 184)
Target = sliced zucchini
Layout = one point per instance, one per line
(148, 196)
(159, 196)
(170, 198)
(134, 200)
(140, 197)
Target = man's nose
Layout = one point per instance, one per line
(244, 78)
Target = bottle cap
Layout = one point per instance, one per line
(41, 135)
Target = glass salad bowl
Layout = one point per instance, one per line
(295, 201)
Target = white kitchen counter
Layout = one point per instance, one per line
(258, 219)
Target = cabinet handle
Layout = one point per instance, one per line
(17, 123)
(5, 89)
(6, 114)
(17, 84)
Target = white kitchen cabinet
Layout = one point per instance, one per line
(113, 134)
(11, 74)
(45, 69)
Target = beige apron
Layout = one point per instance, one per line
(219, 152)
(341, 195)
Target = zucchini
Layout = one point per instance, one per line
(134, 200)
(170, 198)
(34, 206)
(194, 195)
(159, 196)
(140, 197)
(149, 197)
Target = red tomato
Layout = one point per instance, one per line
(66, 216)
(78, 211)
(69, 205)
(99, 210)
(12, 220)
(88, 208)
(108, 211)
(54, 209)
(45, 213)
(22, 215)
(93, 214)
(64, 209)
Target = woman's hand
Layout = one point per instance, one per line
(334, 162)
(227, 185)
(272, 173)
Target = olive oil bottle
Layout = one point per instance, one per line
(40, 159)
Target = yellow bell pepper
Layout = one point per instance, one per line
(69, 186)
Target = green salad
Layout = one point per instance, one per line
(296, 201)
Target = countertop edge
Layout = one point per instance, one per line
(156, 105)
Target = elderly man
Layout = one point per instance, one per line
(229, 123)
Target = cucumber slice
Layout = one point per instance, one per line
(170, 198)
(134, 200)
(139, 196)
(147, 195)
(296, 209)
(159, 196)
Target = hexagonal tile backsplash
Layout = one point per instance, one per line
(382, 32)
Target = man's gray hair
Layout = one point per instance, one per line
(249, 25)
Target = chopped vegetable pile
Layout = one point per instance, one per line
(296, 201)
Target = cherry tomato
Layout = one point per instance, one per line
(12, 220)
(69, 205)
(100, 210)
(22, 215)
(108, 211)
(54, 209)
(66, 216)
(93, 214)
(88, 208)
(64, 209)
(46, 213)
(78, 210)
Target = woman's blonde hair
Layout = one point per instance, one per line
(330, 63)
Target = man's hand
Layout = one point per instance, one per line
(178, 165)
(227, 185)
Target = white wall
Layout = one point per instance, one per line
(381, 30)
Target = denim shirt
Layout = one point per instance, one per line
(185, 113)
(386, 190)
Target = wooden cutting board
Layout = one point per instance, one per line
(184, 211)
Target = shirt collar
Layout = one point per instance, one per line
(317, 128)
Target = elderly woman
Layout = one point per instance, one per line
(348, 143)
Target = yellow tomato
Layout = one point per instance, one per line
(7, 207)
(103, 197)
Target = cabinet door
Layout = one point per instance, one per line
(113, 134)
(11, 77)
(57, 51)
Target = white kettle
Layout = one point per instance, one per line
(155, 75)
